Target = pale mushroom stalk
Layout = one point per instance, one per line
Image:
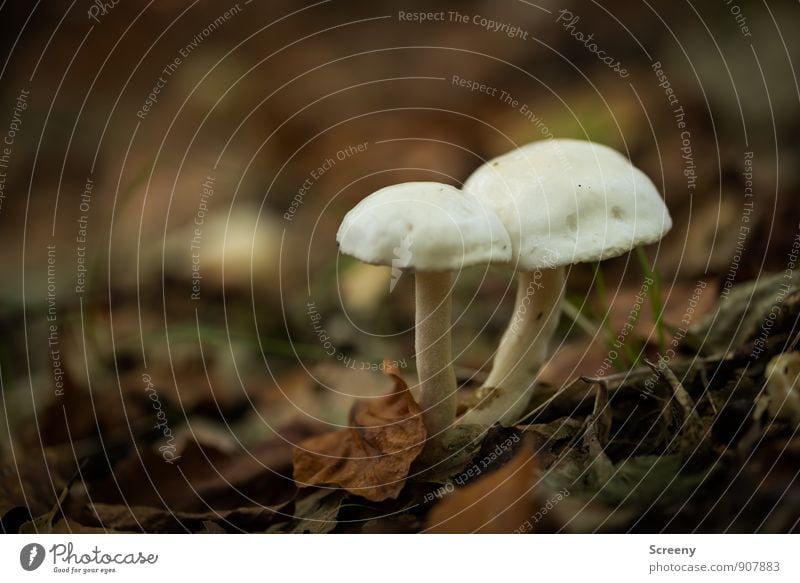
(433, 347)
(523, 348)
(434, 230)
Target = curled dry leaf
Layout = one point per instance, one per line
(372, 457)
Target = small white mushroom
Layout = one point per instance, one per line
(432, 229)
(783, 387)
(562, 202)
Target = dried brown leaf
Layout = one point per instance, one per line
(372, 457)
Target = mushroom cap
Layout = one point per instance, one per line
(570, 201)
(426, 226)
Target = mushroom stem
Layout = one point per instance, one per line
(523, 348)
(433, 346)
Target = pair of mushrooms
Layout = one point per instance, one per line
(539, 208)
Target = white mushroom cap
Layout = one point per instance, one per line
(425, 226)
(570, 201)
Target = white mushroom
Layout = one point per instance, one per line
(562, 202)
(432, 229)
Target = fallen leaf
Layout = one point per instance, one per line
(691, 430)
(372, 457)
(595, 438)
(499, 502)
(316, 513)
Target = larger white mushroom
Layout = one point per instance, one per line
(432, 229)
(562, 202)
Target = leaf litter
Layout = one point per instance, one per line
(679, 445)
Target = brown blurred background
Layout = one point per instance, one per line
(274, 102)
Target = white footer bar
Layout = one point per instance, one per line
(400, 558)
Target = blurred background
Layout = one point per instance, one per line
(173, 176)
